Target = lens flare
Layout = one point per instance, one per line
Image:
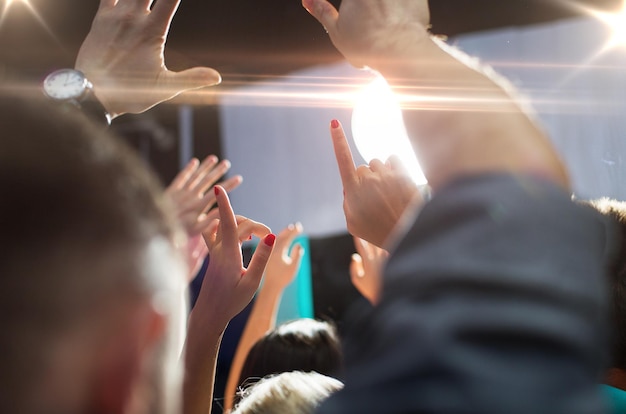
(378, 128)
(615, 20)
(8, 4)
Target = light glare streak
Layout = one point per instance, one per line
(8, 4)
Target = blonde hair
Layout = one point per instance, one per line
(293, 392)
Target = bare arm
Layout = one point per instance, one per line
(460, 120)
(282, 268)
(227, 288)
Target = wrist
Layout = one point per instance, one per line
(206, 321)
(102, 91)
(391, 53)
(73, 90)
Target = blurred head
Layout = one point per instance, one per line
(90, 281)
(300, 345)
(290, 392)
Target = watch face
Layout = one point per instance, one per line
(65, 84)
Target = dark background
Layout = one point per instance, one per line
(246, 40)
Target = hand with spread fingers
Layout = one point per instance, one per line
(193, 203)
(189, 192)
(123, 56)
(375, 196)
(366, 269)
(227, 288)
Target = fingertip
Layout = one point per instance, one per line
(308, 5)
(334, 124)
(198, 77)
(270, 239)
(210, 76)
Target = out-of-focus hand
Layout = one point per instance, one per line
(369, 31)
(375, 196)
(196, 252)
(193, 203)
(228, 286)
(189, 192)
(366, 269)
(283, 266)
(123, 56)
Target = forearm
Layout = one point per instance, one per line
(262, 319)
(201, 350)
(461, 121)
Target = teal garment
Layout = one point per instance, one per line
(616, 399)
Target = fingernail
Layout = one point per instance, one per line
(250, 237)
(334, 124)
(270, 239)
(216, 189)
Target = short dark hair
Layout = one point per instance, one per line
(299, 345)
(77, 210)
(617, 280)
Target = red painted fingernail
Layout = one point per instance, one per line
(334, 124)
(216, 189)
(270, 239)
(250, 237)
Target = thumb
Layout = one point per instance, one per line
(297, 252)
(259, 260)
(193, 78)
(356, 267)
(324, 12)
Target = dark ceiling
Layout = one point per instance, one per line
(243, 39)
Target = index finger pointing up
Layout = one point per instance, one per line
(343, 154)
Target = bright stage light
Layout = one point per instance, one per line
(616, 22)
(378, 128)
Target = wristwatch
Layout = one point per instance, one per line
(71, 88)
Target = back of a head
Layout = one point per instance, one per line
(78, 216)
(299, 345)
(287, 393)
(617, 280)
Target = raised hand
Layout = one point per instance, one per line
(189, 192)
(283, 266)
(193, 203)
(375, 196)
(228, 286)
(366, 269)
(472, 125)
(281, 269)
(226, 289)
(123, 56)
(368, 31)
